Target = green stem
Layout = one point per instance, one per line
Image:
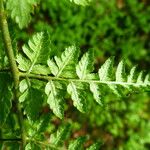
(47, 78)
(8, 45)
(13, 67)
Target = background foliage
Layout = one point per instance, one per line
(115, 27)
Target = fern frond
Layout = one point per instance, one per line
(117, 81)
(20, 11)
(37, 52)
(66, 75)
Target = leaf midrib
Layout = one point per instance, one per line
(47, 78)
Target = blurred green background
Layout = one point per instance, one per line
(110, 27)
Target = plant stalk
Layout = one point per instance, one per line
(13, 67)
(47, 78)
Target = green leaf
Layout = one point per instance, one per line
(81, 2)
(132, 75)
(77, 86)
(40, 125)
(106, 70)
(54, 92)
(140, 78)
(85, 65)
(78, 96)
(37, 52)
(106, 75)
(116, 89)
(5, 97)
(60, 135)
(77, 144)
(120, 72)
(31, 98)
(95, 146)
(35, 129)
(20, 11)
(97, 94)
(64, 66)
(147, 79)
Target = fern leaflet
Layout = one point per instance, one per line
(31, 98)
(77, 143)
(81, 2)
(58, 140)
(78, 96)
(37, 53)
(64, 65)
(20, 11)
(61, 135)
(54, 91)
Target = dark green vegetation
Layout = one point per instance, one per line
(57, 96)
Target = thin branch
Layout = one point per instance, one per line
(13, 66)
(8, 44)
